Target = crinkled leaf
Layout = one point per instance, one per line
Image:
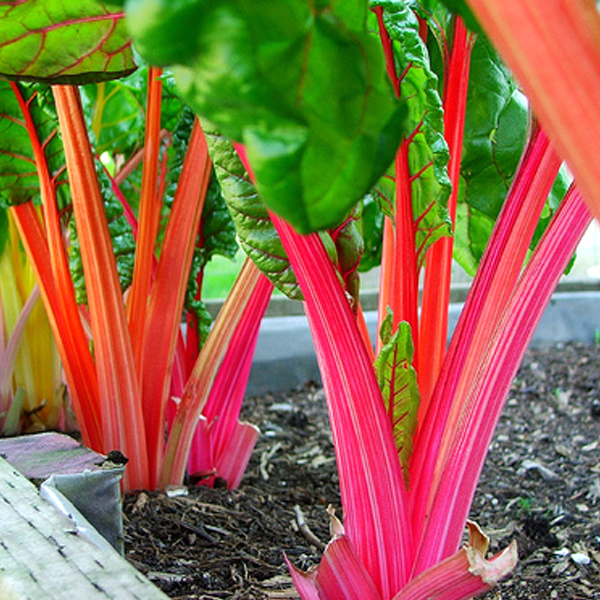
(218, 229)
(302, 86)
(495, 131)
(440, 22)
(386, 330)
(349, 246)
(58, 41)
(397, 379)
(496, 128)
(461, 8)
(427, 149)
(377, 204)
(255, 231)
(18, 176)
(435, 12)
(194, 304)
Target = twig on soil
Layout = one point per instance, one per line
(305, 529)
(197, 529)
(265, 457)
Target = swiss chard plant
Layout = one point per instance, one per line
(411, 430)
(109, 185)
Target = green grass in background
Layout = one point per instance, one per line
(221, 272)
(219, 275)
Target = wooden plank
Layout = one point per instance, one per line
(42, 557)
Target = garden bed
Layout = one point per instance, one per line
(540, 486)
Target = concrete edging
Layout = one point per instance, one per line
(285, 356)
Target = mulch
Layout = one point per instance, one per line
(540, 486)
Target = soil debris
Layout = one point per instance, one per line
(540, 486)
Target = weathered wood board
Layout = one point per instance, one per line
(43, 558)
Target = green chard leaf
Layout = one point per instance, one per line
(304, 88)
(372, 219)
(54, 41)
(440, 12)
(495, 130)
(435, 12)
(427, 149)
(19, 181)
(218, 230)
(495, 133)
(349, 247)
(556, 196)
(398, 383)
(217, 237)
(116, 115)
(497, 122)
(256, 233)
(4, 231)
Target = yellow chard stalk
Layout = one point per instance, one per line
(30, 358)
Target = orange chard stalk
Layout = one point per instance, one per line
(149, 218)
(120, 399)
(48, 184)
(553, 48)
(168, 294)
(433, 331)
(71, 340)
(199, 385)
(46, 252)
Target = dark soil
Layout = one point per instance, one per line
(540, 486)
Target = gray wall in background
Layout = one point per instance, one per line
(285, 356)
